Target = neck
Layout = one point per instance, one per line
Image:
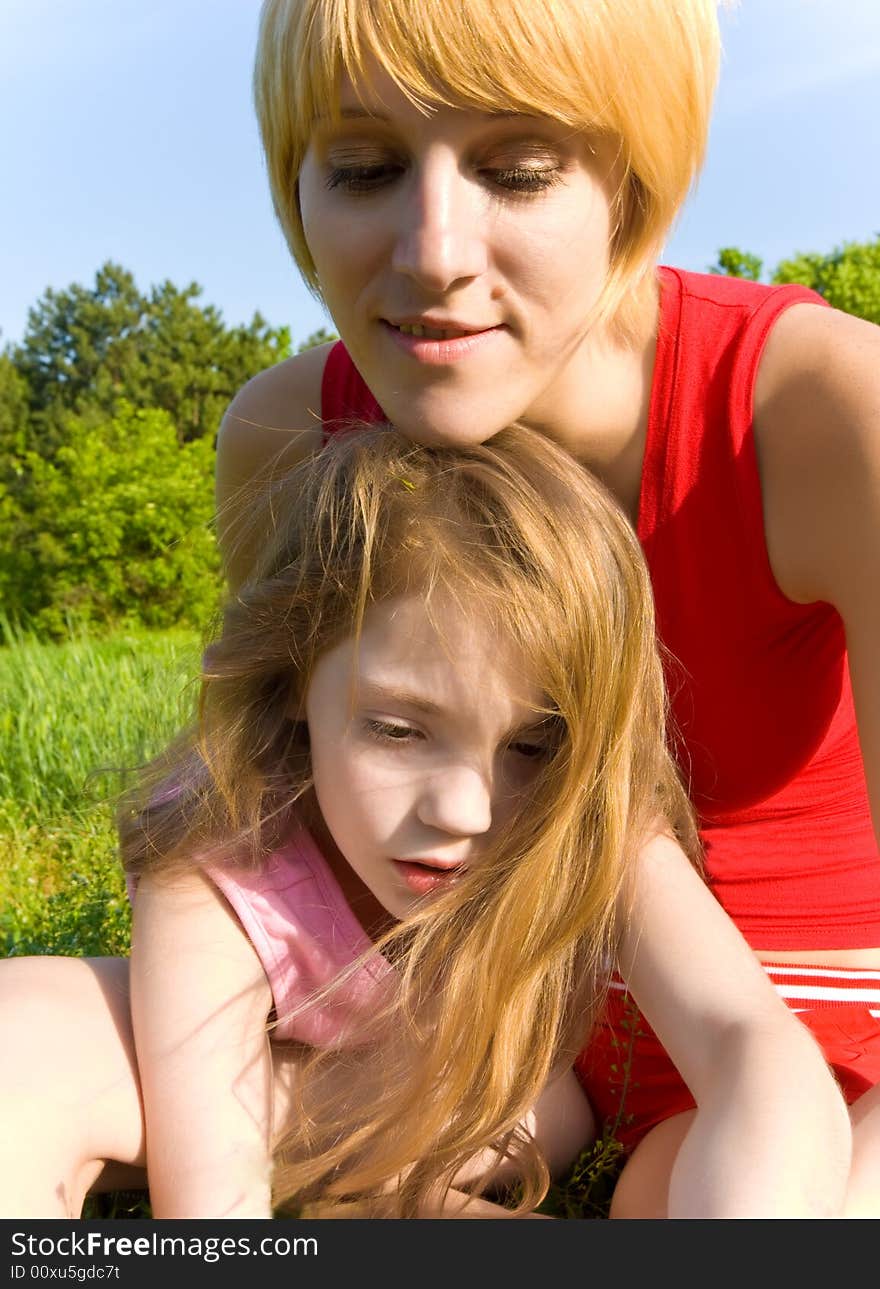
(598, 409)
(373, 916)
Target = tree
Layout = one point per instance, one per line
(320, 337)
(848, 278)
(116, 528)
(14, 410)
(92, 347)
(108, 410)
(732, 262)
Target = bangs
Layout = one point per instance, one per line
(456, 55)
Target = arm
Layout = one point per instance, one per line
(817, 417)
(771, 1136)
(273, 422)
(562, 1124)
(200, 1000)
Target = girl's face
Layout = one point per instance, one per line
(460, 254)
(419, 754)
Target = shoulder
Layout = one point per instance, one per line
(281, 402)
(817, 433)
(290, 894)
(295, 863)
(741, 296)
(814, 351)
(182, 919)
(273, 422)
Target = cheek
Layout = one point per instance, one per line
(338, 799)
(320, 229)
(355, 798)
(345, 246)
(559, 267)
(517, 786)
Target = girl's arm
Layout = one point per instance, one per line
(817, 429)
(200, 1000)
(771, 1136)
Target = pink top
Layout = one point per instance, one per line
(295, 915)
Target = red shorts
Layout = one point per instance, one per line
(632, 1084)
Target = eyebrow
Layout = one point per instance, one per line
(375, 690)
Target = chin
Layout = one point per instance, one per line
(435, 430)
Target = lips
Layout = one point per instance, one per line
(438, 342)
(430, 327)
(427, 875)
(424, 332)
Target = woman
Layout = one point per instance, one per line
(480, 201)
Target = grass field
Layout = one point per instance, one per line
(74, 719)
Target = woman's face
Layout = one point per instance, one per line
(460, 254)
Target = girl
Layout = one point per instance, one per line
(428, 797)
(480, 196)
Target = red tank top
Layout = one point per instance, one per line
(764, 726)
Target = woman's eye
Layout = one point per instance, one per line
(362, 178)
(525, 179)
(390, 732)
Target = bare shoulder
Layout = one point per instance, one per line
(813, 350)
(817, 433)
(280, 404)
(272, 422)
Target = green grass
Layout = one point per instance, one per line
(74, 718)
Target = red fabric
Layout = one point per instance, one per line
(759, 687)
(344, 396)
(632, 1085)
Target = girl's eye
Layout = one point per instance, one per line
(362, 178)
(526, 179)
(532, 751)
(390, 732)
(540, 742)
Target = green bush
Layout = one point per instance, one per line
(114, 529)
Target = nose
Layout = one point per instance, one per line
(439, 241)
(457, 801)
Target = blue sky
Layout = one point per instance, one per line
(127, 133)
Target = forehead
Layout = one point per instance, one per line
(446, 652)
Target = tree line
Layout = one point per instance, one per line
(109, 409)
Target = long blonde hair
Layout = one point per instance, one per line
(496, 980)
(642, 72)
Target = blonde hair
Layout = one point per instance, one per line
(640, 71)
(527, 541)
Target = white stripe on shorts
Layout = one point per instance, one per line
(825, 985)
